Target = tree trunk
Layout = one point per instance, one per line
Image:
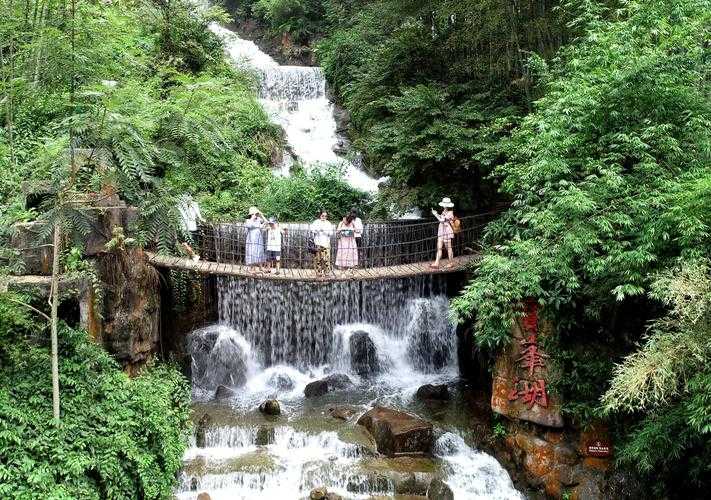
(55, 306)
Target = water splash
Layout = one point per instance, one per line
(473, 474)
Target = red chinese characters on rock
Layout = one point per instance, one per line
(531, 356)
(529, 390)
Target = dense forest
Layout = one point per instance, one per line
(586, 123)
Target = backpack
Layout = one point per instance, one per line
(456, 225)
(311, 245)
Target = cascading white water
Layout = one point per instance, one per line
(295, 462)
(388, 336)
(285, 335)
(295, 97)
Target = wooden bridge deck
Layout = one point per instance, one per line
(287, 274)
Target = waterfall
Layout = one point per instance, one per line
(387, 336)
(295, 97)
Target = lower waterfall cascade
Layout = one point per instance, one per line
(272, 339)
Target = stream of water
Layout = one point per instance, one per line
(295, 97)
(274, 338)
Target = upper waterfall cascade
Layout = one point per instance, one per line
(295, 97)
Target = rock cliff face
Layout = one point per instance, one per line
(131, 307)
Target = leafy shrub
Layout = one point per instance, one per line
(117, 438)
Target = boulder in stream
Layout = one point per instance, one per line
(270, 407)
(335, 381)
(341, 412)
(318, 494)
(438, 490)
(203, 496)
(398, 433)
(364, 355)
(224, 392)
(429, 391)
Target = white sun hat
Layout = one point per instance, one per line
(446, 203)
(253, 210)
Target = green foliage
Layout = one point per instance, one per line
(435, 87)
(183, 39)
(602, 172)
(668, 379)
(300, 18)
(118, 437)
(609, 177)
(499, 430)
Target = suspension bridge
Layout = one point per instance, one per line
(390, 249)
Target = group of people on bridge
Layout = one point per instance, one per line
(263, 244)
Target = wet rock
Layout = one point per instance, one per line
(411, 485)
(336, 381)
(217, 357)
(201, 430)
(364, 355)
(333, 496)
(341, 412)
(203, 496)
(315, 389)
(194, 484)
(370, 483)
(265, 436)
(429, 391)
(398, 433)
(270, 407)
(318, 494)
(438, 490)
(223, 392)
(281, 381)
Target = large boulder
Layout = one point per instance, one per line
(429, 391)
(270, 407)
(398, 433)
(224, 392)
(364, 355)
(438, 490)
(335, 381)
(217, 357)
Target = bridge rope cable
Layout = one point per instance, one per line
(382, 244)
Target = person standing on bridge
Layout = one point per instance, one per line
(358, 223)
(322, 231)
(347, 251)
(445, 232)
(254, 246)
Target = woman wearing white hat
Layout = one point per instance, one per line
(254, 247)
(445, 233)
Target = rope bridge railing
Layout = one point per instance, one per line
(382, 244)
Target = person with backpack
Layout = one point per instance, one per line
(322, 230)
(445, 231)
